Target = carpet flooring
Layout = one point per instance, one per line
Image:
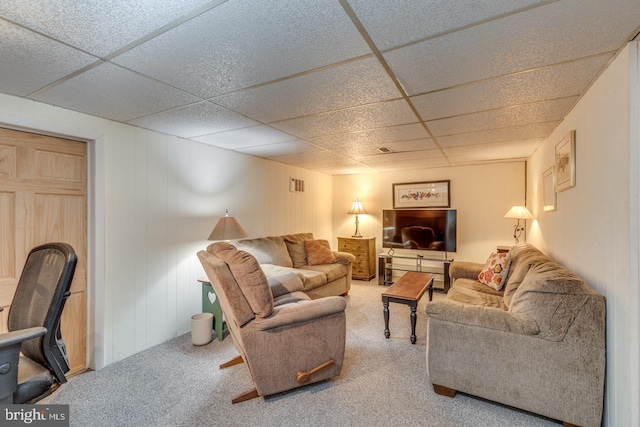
(383, 382)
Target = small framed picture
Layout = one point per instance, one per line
(548, 190)
(565, 164)
(430, 194)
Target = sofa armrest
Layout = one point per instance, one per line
(465, 269)
(285, 284)
(483, 317)
(344, 257)
(305, 311)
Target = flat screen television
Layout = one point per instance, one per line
(420, 229)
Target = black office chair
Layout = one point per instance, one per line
(34, 326)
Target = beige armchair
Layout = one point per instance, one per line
(286, 339)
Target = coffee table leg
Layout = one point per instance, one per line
(385, 311)
(413, 324)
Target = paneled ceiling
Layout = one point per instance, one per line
(337, 86)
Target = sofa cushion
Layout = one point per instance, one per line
(332, 271)
(523, 256)
(470, 296)
(290, 298)
(552, 296)
(318, 252)
(285, 283)
(310, 279)
(267, 250)
(251, 279)
(495, 270)
(295, 246)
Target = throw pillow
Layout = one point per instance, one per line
(495, 270)
(318, 252)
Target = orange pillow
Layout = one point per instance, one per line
(318, 252)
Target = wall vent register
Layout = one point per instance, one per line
(296, 185)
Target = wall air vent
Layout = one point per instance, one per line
(296, 185)
(384, 150)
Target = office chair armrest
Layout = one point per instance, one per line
(16, 337)
(292, 314)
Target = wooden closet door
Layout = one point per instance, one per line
(43, 199)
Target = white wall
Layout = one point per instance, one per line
(160, 197)
(590, 231)
(482, 195)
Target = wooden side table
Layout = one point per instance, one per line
(364, 249)
(209, 295)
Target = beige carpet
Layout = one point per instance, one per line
(383, 383)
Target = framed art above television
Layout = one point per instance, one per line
(428, 194)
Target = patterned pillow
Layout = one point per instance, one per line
(495, 270)
(318, 252)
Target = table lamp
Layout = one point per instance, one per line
(356, 209)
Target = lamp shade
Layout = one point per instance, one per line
(357, 208)
(519, 212)
(227, 228)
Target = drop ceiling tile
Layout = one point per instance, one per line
(247, 137)
(372, 137)
(347, 85)
(494, 151)
(537, 130)
(194, 120)
(31, 61)
(556, 32)
(244, 43)
(434, 162)
(527, 114)
(398, 147)
(392, 23)
(98, 27)
(399, 157)
(355, 119)
(346, 170)
(279, 149)
(307, 157)
(558, 81)
(114, 93)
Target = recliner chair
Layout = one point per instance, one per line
(34, 326)
(286, 339)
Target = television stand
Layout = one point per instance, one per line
(389, 262)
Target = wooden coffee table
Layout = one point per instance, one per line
(407, 290)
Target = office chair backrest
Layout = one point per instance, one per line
(39, 300)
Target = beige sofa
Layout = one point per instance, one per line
(538, 344)
(279, 255)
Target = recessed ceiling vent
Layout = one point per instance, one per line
(384, 150)
(296, 185)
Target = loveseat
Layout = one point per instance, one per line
(538, 343)
(323, 272)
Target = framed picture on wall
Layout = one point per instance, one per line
(430, 194)
(565, 164)
(548, 190)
